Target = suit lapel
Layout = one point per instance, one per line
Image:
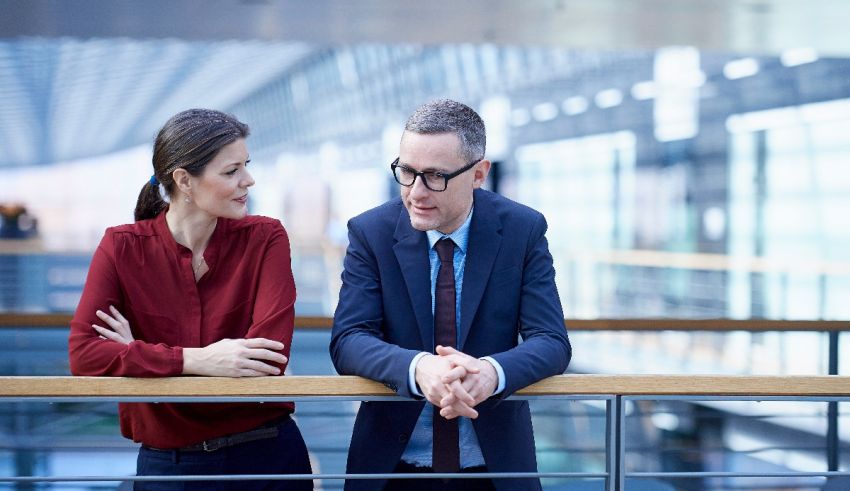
(485, 238)
(411, 252)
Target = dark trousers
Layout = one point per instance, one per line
(285, 454)
(437, 484)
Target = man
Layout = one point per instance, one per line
(437, 287)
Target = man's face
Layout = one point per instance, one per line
(431, 210)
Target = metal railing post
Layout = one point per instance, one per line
(615, 444)
(832, 408)
(610, 443)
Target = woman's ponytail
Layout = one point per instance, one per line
(150, 203)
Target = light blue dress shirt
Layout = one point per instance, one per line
(419, 448)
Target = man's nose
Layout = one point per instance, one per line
(418, 189)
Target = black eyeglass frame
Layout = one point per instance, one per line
(416, 174)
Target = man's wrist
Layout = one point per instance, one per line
(411, 374)
(500, 374)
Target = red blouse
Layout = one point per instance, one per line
(139, 268)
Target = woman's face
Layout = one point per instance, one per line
(222, 189)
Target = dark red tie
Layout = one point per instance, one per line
(446, 456)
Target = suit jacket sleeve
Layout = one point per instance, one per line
(357, 343)
(545, 350)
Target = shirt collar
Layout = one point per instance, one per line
(459, 236)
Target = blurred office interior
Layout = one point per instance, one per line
(691, 160)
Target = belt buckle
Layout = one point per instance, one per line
(213, 445)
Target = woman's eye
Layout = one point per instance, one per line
(231, 172)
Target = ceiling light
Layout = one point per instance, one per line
(644, 90)
(798, 56)
(544, 112)
(745, 67)
(574, 105)
(608, 98)
(520, 117)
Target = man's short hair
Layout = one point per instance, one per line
(448, 116)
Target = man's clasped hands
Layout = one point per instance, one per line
(455, 382)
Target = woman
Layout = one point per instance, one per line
(196, 287)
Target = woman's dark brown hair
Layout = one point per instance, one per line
(189, 140)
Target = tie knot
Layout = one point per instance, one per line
(445, 249)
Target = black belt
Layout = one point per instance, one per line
(269, 430)
(407, 467)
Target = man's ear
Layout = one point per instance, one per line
(183, 181)
(480, 172)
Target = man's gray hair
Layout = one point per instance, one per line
(447, 116)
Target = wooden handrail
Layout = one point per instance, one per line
(708, 261)
(14, 319)
(300, 386)
(62, 320)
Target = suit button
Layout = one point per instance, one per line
(402, 438)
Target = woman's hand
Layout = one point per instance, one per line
(119, 328)
(234, 358)
(225, 358)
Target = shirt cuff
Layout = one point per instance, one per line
(411, 374)
(500, 373)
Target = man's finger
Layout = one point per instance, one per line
(457, 358)
(480, 386)
(433, 390)
(458, 410)
(447, 400)
(457, 389)
(471, 365)
(454, 374)
(447, 350)
(434, 398)
(473, 388)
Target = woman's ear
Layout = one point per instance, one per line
(183, 181)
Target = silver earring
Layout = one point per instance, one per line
(188, 199)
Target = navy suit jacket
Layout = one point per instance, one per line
(384, 319)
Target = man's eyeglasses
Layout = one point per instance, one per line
(435, 181)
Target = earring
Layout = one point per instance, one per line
(188, 199)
